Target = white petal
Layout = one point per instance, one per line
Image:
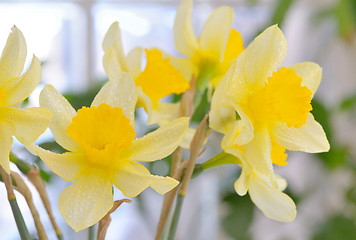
(63, 113)
(308, 138)
(119, 92)
(273, 203)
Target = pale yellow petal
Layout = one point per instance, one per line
(13, 56)
(242, 184)
(184, 37)
(63, 113)
(158, 144)
(119, 92)
(132, 178)
(273, 203)
(113, 40)
(87, 201)
(164, 112)
(29, 123)
(215, 32)
(144, 101)
(188, 137)
(258, 152)
(310, 73)
(111, 63)
(264, 55)
(244, 126)
(309, 138)
(15, 93)
(67, 165)
(7, 130)
(184, 65)
(134, 58)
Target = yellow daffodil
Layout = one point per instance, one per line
(273, 108)
(209, 56)
(159, 79)
(25, 124)
(102, 150)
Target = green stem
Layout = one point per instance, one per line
(91, 232)
(176, 216)
(21, 226)
(220, 159)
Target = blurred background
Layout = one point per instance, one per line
(67, 35)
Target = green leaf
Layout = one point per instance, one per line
(338, 227)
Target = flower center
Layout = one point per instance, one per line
(103, 132)
(160, 78)
(282, 99)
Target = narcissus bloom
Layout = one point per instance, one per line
(209, 56)
(159, 79)
(102, 150)
(25, 124)
(274, 115)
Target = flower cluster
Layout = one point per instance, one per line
(261, 110)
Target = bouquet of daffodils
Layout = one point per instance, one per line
(261, 108)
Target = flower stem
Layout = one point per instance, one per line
(176, 216)
(21, 226)
(91, 230)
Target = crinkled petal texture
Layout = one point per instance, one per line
(132, 178)
(86, 201)
(7, 130)
(13, 56)
(273, 203)
(158, 144)
(63, 113)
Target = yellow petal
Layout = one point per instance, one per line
(264, 55)
(188, 137)
(184, 37)
(132, 178)
(63, 113)
(67, 165)
(113, 40)
(308, 138)
(13, 56)
(29, 123)
(111, 63)
(158, 144)
(119, 92)
(310, 73)
(215, 33)
(134, 58)
(258, 152)
(7, 130)
(273, 203)
(86, 201)
(242, 184)
(24, 86)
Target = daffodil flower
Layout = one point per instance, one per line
(159, 79)
(209, 56)
(25, 124)
(273, 109)
(102, 150)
